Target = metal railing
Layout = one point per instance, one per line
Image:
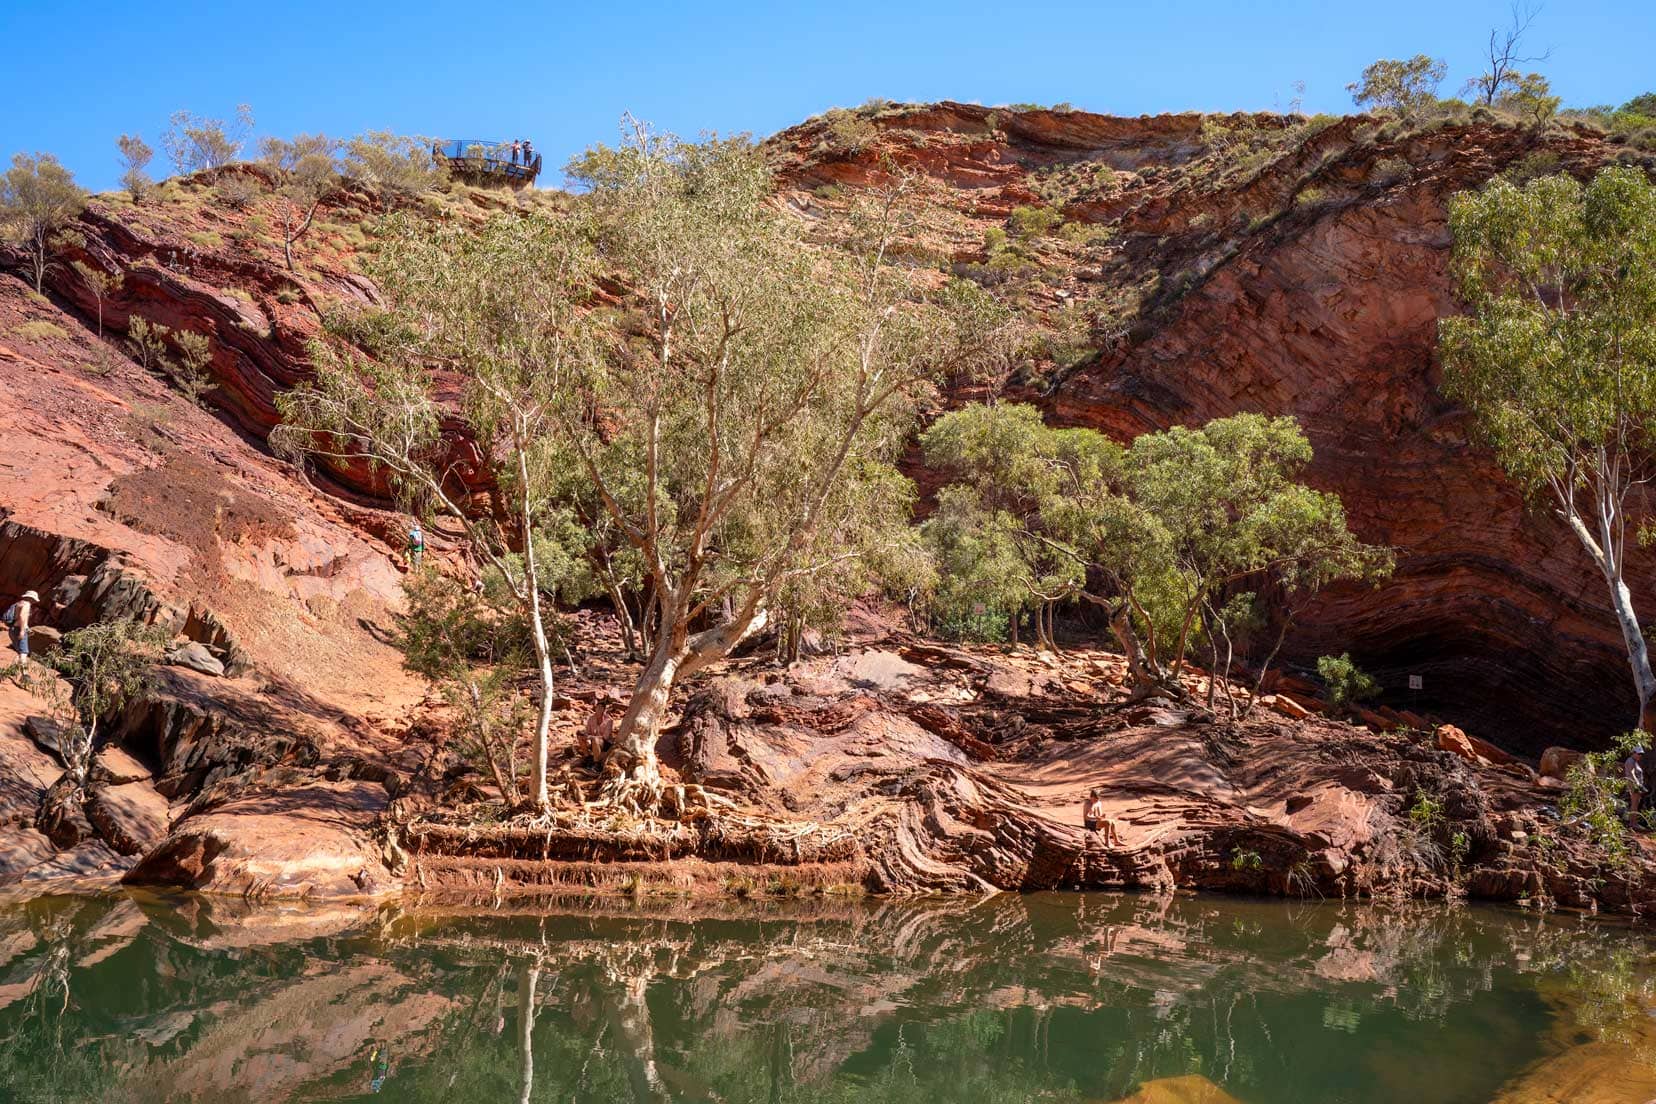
(486, 155)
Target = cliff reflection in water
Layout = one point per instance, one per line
(1063, 998)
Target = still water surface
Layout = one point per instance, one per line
(1045, 998)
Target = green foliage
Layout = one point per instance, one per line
(399, 168)
(1157, 532)
(153, 344)
(136, 155)
(1028, 223)
(848, 131)
(194, 142)
(1406, 87)
(730, 424)
(473, 649)
(1426, 814)
(1346, 683)
(105, 665)
(1530, 96)
(1550, 385)
(38, 199)
(1555, 358)
(1246, 860)
(1594, 791)
(1390, 170)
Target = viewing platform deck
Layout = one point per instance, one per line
(487, 160)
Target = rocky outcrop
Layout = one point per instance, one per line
(1256, 263)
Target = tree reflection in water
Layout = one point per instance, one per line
(1061, 998)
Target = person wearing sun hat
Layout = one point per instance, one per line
(17, 617)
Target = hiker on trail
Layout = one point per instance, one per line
(1095, 818)
(416, 545)
(593, 739)
(1633, 771)
(17, 617)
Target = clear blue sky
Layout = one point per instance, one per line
(562, 74)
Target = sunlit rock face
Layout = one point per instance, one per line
(1244, 265)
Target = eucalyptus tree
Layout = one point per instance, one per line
(674, 355)
(307, 174)
(740, 424)
(1556, 360)
(1165, 535)
(488, 324)
(38, 200)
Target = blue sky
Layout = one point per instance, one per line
(563, 74)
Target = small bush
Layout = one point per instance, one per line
(1390, 170)
(1085, 233)
(1347, 684)
(848, 131)
(206, 239)
(1310, 197)
(238, 192)
(1592, 799)
(828, 191)
(1246, 860)
(1532, 165)
(1033, 222)
(980, 625)
(287, 295)
(39, 330)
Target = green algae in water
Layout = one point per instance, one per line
(1044, 998)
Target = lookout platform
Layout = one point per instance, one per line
(487, 160)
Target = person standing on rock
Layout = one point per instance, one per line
(416, 546)
(1633, 771)
(16, 618)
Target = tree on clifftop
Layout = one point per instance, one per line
(1401, 86)
(1556, 359)
(38, 199)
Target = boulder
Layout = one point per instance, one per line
(1288, 707)
(44, 640)
(48, 735)
(115, 766)
(197, 657)
(1452, 739)
(130, 818)
(1557, 761)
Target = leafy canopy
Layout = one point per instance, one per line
(1406, 86)
(1556, 357)
(1171, 527)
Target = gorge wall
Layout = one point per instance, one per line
(1206, 265)
(1286, 268)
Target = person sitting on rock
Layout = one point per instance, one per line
(592, 742)
(1633, 771)
(1093, 815)
(16, 618)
